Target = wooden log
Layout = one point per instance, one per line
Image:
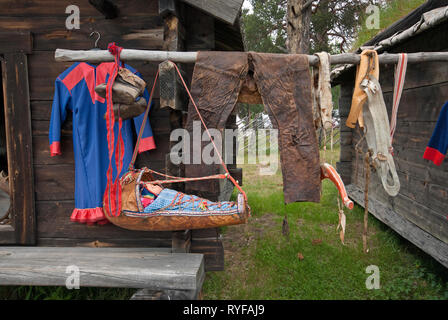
(200, 31)
(181, 241)
(64, 55)
(49, 32)
(51, 8)
(7, 234)
(93, 242)
(417, 76)
(19, 145)
(167, 7)
(106, 7)
(55, 182)
(54, 222)
(172, 92)
(16, 41)
(226, 11)
(43, 72)
(102, 267)
(415, 202)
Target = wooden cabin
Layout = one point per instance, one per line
(419, 212)
(41, 186)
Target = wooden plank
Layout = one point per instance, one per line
(41, 111)
(200, 31)
(101, 267)
(209, 243)
(108, 8)
(57, 181)
(202, 234)
(49, 33)
(227, 37)
(212, 249)
(168, 7)
(41, 127)
(54, 182)
(173, 33)
(128, 242)
(226, 11)
(48, 8)
(427, 212)
(19, 145)
(54, 222)
(181, 241)
(422, 239)
(431, 40)
(16, 41)
(345, 170)
(7, 234)
(44, 71)
(417, 75)
(420, 104)
(41, 151)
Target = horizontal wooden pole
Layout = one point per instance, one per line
(126, 55)
(388, 58)
(190, 57)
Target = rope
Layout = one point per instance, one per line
(367, 165)
(400, 75)
(178, 179)
(235, 183)
(142, 127)
(113, 189)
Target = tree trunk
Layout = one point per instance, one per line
(298, 27)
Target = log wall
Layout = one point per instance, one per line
(423, 197)
(138, 26)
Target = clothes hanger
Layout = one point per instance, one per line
(96, 41)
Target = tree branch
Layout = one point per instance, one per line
(307, 5)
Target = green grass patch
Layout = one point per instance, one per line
(261, 263)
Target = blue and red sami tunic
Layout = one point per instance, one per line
(74, 91)
(438, 145)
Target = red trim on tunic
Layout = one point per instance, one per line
(101, 73)
(55, 149)
(434, 155)
(82, 71)
(89, 216)
(146, 144)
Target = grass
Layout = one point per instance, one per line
(392, 12)
(261, 263)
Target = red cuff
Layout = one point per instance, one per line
(55, 148)
(146, 144)
(434, 155)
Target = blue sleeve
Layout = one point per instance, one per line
(58, 114)
(147, 142)
(438, 145)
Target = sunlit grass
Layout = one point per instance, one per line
(264, 264)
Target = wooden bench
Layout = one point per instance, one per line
(160, 274)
